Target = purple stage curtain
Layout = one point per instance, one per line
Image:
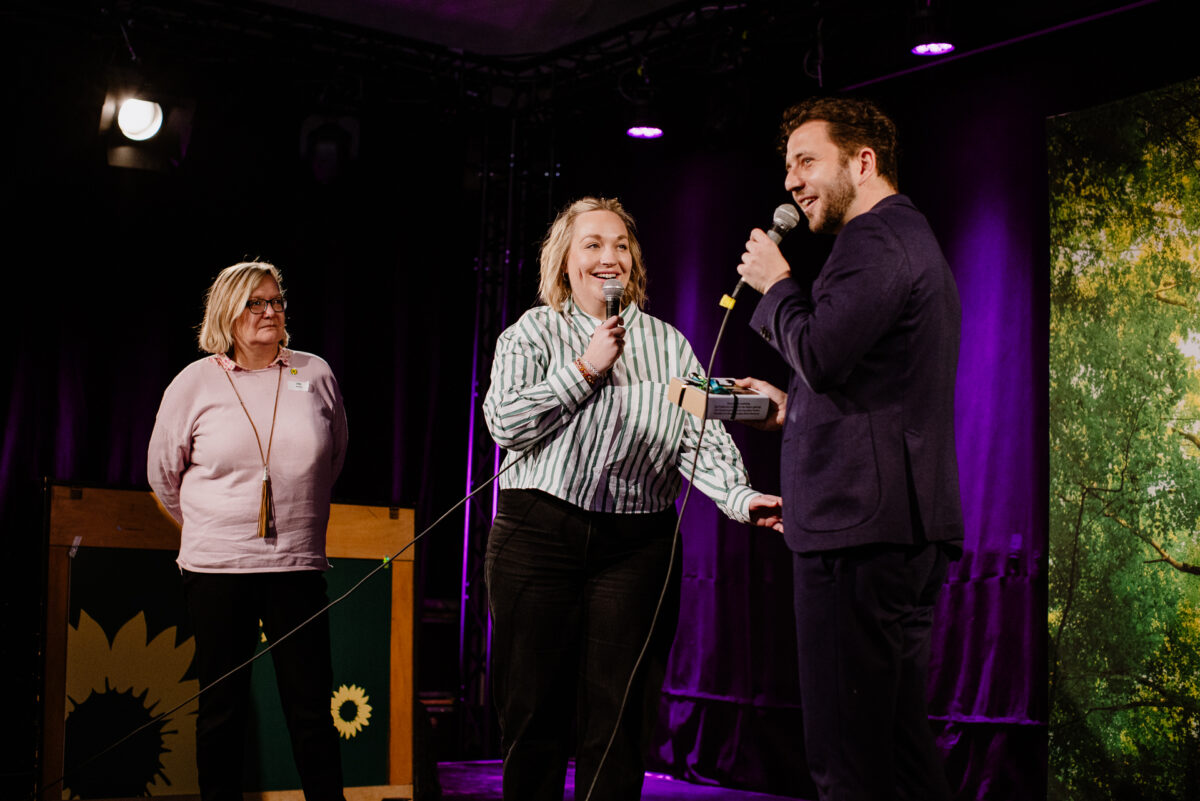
(730, 708)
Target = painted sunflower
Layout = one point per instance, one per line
(113, 690)
(351, 712)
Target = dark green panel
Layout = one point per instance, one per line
(360, 628)
(119, 588)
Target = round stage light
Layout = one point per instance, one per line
(644, 132)
(932, 48)
(139, 119)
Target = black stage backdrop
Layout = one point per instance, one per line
(106, 270)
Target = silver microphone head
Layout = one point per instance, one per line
(612, 290)
(785, 219)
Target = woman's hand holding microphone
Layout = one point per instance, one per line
(606, 346)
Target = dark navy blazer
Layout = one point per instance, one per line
(868, 452)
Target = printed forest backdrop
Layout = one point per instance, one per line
(1124, 609)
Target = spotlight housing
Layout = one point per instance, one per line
(144, 125)
(930, 30)
(643, 116)
(644, 120)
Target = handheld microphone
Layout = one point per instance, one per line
(613, 291)
(786, 218)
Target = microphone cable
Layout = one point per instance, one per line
(383, 565)
(727, 302)
(785, 218)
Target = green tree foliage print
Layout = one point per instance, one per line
(1124, 606)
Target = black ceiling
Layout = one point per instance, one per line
(531, 27)
(343, 53)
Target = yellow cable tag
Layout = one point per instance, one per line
(727, 302)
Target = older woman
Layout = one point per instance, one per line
(246, 445)
(582, 542)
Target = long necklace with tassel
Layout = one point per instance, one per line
(266, 508)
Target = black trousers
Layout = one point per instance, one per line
(225, 609)
(863, 623)
(572, 595)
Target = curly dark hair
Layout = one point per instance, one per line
(853, 124)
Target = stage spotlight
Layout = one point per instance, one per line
(643, 120)
(932, 48)
(643, 131)
(144, 125)
(930, 29)
(643, 117)
(139, 120)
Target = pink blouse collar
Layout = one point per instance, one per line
(230, 365)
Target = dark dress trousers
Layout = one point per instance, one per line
(871, 500)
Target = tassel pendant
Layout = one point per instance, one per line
(266, 509)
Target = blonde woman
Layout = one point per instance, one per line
(582, 540)
(245, 449)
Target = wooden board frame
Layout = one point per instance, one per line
(107, 518)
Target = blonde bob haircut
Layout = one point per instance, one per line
(226, 300)
(555, 286)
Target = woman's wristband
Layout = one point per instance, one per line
(590, 374)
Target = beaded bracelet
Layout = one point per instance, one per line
(588, 375)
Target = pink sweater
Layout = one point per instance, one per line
(205, 467)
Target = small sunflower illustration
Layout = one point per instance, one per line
(114, 689)
(350, 710)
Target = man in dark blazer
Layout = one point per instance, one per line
(868, 466)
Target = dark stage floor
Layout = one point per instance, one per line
(480, 781)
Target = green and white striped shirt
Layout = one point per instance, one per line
(623, 445)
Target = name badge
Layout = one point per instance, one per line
(298, 386)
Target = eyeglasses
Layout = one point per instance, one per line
(258, 305)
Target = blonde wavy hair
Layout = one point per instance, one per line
(226, 300)
(555, 287)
